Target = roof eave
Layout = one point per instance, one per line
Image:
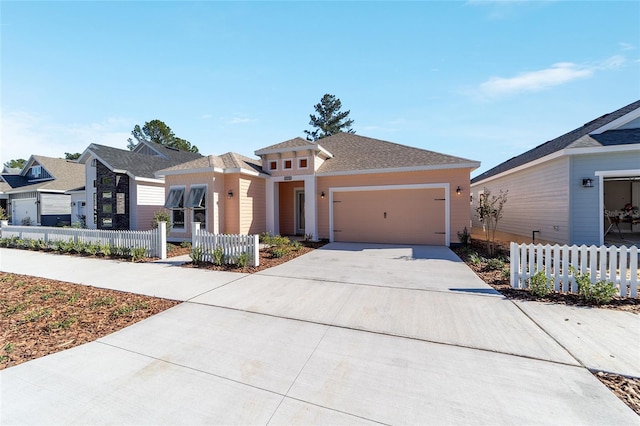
(470, 165)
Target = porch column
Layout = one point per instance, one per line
(310, 207)
(271, 213)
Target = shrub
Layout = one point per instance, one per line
(138, 253)
(197, 255)
(464, 237)
(295, 245)
(185, 244)
(280, 251)
(3, 214)
(161, 216)
(601, 291)
(475, 258)
(26, 221)
(494, 264)
(242, 259)
(539, 284)
(218, 256)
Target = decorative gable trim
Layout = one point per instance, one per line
(619, 122)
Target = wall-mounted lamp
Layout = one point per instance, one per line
(322, 194)
(458, 190)
(230, 194)
(587, 183)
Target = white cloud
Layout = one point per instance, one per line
(626, 46)
(535, 81)
(24, 134)
(240, 120)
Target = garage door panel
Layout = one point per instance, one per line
(403, 216)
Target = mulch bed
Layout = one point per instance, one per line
(625, 388)
(39, 316)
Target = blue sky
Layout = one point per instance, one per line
(480, 80)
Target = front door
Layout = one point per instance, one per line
(299, 212)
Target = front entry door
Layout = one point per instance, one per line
(299, 213)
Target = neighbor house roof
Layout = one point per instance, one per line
(141, 165)
(66, 174)
(578, 138)
(227, 161)
(353, 152)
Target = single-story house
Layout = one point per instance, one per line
(122, 191)
(569, 190)
(345, 187)
(36, 194)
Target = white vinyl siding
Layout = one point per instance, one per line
(55, 204)
(150, 195)
(538, 199)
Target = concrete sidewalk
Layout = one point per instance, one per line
(307, 343)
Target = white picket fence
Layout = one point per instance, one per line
(616, 264)
(154, 241)
(232, 245)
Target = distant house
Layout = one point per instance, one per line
(122, 191)
(36, 194)
(573, 188)
(345, 187)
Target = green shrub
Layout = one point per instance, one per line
(161, 216)
(197, 255)
(494, 264)
(539, 285)
(185, 244)
(242, 260)
(218, 256)
(601, 291)
(295, 245)
(464, 237)
(475, 258)
(280, 251)
(104, 250)
(138, 253)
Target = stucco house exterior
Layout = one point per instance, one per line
(566, 188)
(36, 194)
(121, 190)
(345, 187)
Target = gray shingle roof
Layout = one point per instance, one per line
(574, 139)
(67, 175)
(141, 165)
(229, 160)
(291, 143)
(359, 153)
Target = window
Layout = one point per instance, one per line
(273, 165)
(106, 181)
(107, 222)
(106, 208)
(287, 164)
(175, 202)
(197, 200)
(107, 195)
(93, 162)
(196, 197)
(303, 163)
(36, 171)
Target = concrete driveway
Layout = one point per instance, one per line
(348, 334)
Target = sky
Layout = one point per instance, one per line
(482, 80)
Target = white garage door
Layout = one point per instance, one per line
(395, 216)
(24, 208)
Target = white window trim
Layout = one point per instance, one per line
(284, 160)
(269, 165)
(300, 159)
(171, 209)
(206, 205)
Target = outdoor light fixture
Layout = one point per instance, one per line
(458, 190)
(587, 183)
(322, 194)
(230, 194)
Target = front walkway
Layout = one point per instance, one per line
(348, 334)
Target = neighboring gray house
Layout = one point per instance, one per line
(36, 194)
(566, 188)
(121, 189)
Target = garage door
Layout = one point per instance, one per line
(396, 216)
(22, 209)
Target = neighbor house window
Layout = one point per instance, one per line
(107, 223)
(175, 203)
(287, 164)
(107, 181)
(303, 163)
(197, 200)
(107, 195)
(106, 208)
(273, 165)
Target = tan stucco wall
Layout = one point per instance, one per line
(459, 204)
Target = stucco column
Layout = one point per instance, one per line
(310, 207)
